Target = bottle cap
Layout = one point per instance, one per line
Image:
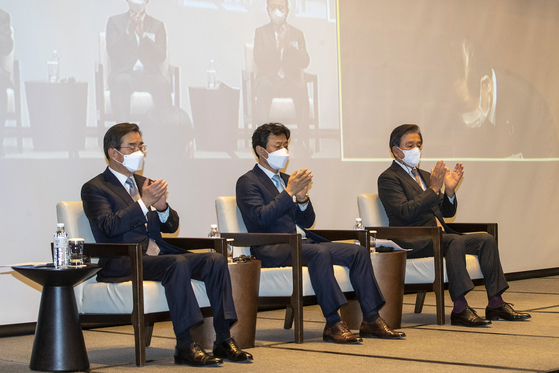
(358, 219)
(213, 226)
(60, 225)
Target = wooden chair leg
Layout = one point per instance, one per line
(149, 332)
(288, 324)
(419, 301)
(439, 297)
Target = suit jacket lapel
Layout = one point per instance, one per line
(268, 183)
(114, 184)
(407, 177)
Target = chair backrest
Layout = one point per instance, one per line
(105, 61)
(75, 222)
(250, 66)
(371, 210)
(229, 219)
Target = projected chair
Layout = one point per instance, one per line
(422, 274)
(136, 302)
(140, 102)
(286, 285)
(282, 108)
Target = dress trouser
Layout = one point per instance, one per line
(320, 259)
(456, 246)
(175, 273)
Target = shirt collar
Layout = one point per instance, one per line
(407, 169)
(269, 173)
(122, 178)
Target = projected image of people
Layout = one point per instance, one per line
(500, 114)
(280, 55)
(6, 47)
(137, 46)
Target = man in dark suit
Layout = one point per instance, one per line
(280, 54)
(123, 207)
(413, 197)
(274, 202)
(137, 45)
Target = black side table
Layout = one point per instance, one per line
(58, 344)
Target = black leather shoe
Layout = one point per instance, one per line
(230, 351)
(339, 333)
(195, 356)
(379, 329)
(468, 317)
(505, 312)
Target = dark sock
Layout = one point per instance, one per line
(496, 301)
(460, 304)
(332, 319)
(184, 339)
(222, 332)
(372, 317)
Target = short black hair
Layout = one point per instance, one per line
(262, 133)
(113, 137)
(401, 131)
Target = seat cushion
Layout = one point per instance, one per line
(421, 270)
(278, 282)
(104, 297)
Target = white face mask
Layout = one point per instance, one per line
(133, 162)
(278, 159)
(137, 6)
(277, 17)
(411, 156)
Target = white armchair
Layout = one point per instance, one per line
(289, 285)
(141, 303)
(422, 274)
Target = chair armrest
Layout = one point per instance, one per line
(490, 228)
(218, 244)
(337, 235)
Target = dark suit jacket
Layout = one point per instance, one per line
(269, 60)
(265, 210)
(115, 218)
(407, 204)
(124, 50)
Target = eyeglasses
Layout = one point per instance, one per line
(135, 148)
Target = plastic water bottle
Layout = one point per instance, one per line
(53, 67)
(212, 76)
(358, 227)
(373, 238)
(214, 233)
(60, 247)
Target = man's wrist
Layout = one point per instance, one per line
(303, 201)
(164, 208)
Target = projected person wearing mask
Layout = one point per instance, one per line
(273, 202)
(136, 45)
(413, 197)
(280, 54)
(123, 207)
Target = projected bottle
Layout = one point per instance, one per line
(60, 247)
(53, 67)
(212, 76)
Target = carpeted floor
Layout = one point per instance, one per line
(530, 346)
